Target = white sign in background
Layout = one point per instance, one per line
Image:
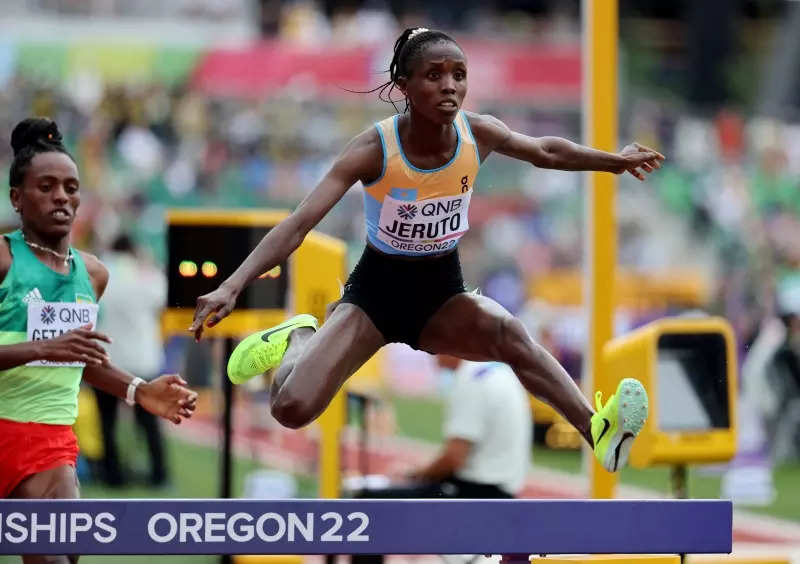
(48, 320)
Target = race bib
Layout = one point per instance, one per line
(426, 226)
(48, 320)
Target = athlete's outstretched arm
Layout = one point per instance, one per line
(166, 396)
(558, 153)
(359, 158)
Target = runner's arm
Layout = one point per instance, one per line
(355, 163)
(98, 273)
(18, 354)
(166, 396)
(106, 376)
(557, 153)
(5, 258)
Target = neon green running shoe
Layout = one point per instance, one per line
(616, 424)
(264, 350)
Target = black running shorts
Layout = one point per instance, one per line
(401, 294)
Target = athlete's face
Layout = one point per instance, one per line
(437, 83)
(49, 196)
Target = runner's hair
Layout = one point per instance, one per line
(407, 47)
(30, 137)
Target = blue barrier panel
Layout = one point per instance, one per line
(364, 526)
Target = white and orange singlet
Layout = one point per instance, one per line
(416, 212)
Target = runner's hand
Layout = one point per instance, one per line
(639, 157)
(217, 304)
(77, 345)
(167, 396)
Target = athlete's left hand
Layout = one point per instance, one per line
(167, 396)
(637, 157)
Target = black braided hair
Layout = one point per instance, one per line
(30, 137)
(405, 49)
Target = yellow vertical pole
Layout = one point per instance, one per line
(331, 423)
(319, 266)
(600, 23)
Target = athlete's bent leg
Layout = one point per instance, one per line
(317, 363)
(56, 483)
(474, 327)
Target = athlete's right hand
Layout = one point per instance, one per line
(78, 345)
(217, 304)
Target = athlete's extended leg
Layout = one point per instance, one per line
(475, 327)
(56, 483)
(317, 363)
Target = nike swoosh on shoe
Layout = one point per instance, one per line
(606, 426)
(265, 336)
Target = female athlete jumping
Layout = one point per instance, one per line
(418, 170)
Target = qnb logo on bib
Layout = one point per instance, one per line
(48, 314)
(48, 320)
(407, 211)
(424, 227)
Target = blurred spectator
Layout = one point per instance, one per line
(756, 388)
(130, 315)
(783, 372)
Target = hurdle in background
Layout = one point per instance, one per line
(515, 528)
(306, 282)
